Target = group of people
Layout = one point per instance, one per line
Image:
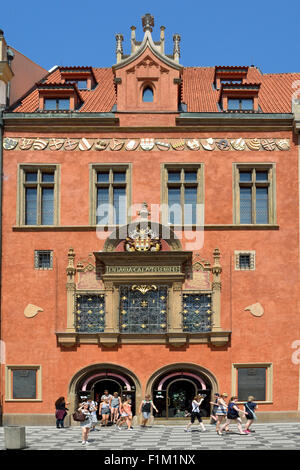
(224, 413)
(112, 408)
(118, 411)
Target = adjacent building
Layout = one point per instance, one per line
(151, 235)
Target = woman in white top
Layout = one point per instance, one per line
(196, 413)
(85, 425)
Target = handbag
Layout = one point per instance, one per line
(79, 416)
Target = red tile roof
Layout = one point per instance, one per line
(198, 91)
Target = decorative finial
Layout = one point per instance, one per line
(176, 48)
(148, 22)
(119, 47)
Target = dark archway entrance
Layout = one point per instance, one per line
(173, 389)
(94, 380)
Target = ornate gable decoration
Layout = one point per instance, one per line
(142, 239)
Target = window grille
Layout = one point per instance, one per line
(90, 313)
(143, 309)
(196, 312)
(43, 259)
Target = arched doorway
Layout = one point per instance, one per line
(174, 387)
(95, 379)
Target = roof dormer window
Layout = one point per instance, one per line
(81, 84)
(58, 98)
(239, 97)
(240, 104)
(56, 104)
(82, 77)
(229, 75)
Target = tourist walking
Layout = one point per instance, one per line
(196, 413)
(85, 425)
(115, 403)
(126, 414)
(221, 411)
(250, 408)
(93, 409)
(146, 408)
(213, 416)
(104, 410)
(60, 412)
(233, 412)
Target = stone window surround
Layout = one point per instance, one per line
(8, 382)
(271, 168)
(253, 365)
(36, 259)
(175, 335)
(164, 183)
(93, 169)
(252, 255)
(22, 169)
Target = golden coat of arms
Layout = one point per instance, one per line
(142, 239)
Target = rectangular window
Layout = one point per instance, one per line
(56, 104)
(110, 195)
(183, 194)
(240, 104)
(38, 195)
(43, 259)
(255, 194)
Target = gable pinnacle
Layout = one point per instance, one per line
(148, 22)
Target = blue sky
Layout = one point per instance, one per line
(73, 32)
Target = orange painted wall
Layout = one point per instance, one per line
(273, 283)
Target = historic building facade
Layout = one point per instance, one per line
(151, 236)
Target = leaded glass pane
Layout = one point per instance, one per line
(190, 206)
(196, 312)
(262, 206)
(102, 206)
(143, 309)
(47, 206)
(119, 206)
(174, 206)
(245, 206)
(90, 313)
(31, 206)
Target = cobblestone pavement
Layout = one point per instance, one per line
(275, 436)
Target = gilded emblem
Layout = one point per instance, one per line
(142, 239)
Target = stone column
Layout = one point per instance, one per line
(216, 291)
(71, 289)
